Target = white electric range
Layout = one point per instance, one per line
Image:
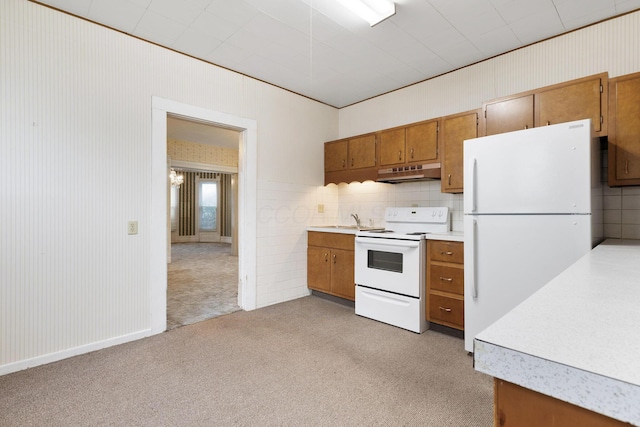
(390, 266)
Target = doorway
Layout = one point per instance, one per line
(202, 276)
(160, 225)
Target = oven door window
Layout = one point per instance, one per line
(388, 261)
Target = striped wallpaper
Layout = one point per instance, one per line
(76, 111)
(187, 206)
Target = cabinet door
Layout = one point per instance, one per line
(392, 147)
(422, 142)
(455, 129)
(509, 115)
(335, 156)
(342, 273)
(624, 130)
(575, 101)
(520, 407)
(362, 151)
(319, 268)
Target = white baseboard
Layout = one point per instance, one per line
(64, 354)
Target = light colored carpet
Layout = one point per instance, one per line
(202, 283)
(307, 362)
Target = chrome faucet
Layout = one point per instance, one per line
(355, 216)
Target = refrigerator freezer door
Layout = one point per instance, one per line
(540, 170)
(509, 257)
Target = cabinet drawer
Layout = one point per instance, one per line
(449, 311)
(331, 240)
(447, 279)
(440, 250)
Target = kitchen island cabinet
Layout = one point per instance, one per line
(584, 98)
(624, 130)
(520, 407)
(575, 340)
(330, 261)
(445, 283)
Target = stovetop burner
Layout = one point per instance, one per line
(412, 223)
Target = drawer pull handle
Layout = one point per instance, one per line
(446, 253)
(448, 310)
(334, 258)
(446, 279)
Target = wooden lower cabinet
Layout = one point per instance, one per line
(445, 283)
(516, 406)
(330, 258)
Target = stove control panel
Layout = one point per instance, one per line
(417, 214)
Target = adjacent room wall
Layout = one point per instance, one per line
(75, 110)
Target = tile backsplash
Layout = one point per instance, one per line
(369, 200)
(622, 212)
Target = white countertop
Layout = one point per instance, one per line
(577, 338)
(453, 236)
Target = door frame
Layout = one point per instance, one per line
(159, 228)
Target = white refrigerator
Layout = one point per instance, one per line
(532, 207)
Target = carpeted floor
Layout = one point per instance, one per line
(307, 362)
(202, 283)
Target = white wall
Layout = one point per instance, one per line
(612, 46)
(75, 149)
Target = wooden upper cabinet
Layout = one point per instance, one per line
(392, 147)
(414, 143)
(335, 155)
(624, 130)
(579, 99)
(508, 114)
(350, 159)
(362, 151)
(584, 98)
(422, 142)
(455, 129)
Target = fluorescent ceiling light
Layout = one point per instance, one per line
(372, 11)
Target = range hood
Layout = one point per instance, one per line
(426, 172)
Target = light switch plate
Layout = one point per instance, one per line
(132, 227)
(320, 208)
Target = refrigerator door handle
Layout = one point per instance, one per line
(474, 269)
(474, 179)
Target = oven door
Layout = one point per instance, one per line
(391, 265)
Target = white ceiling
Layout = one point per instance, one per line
(319, 49)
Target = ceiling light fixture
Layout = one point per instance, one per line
(176, 180)
(372, 11)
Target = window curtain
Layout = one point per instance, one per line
(187, 207)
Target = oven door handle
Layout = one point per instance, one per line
(385, 243)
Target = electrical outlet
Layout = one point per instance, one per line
(132, 227)
(320, 208)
